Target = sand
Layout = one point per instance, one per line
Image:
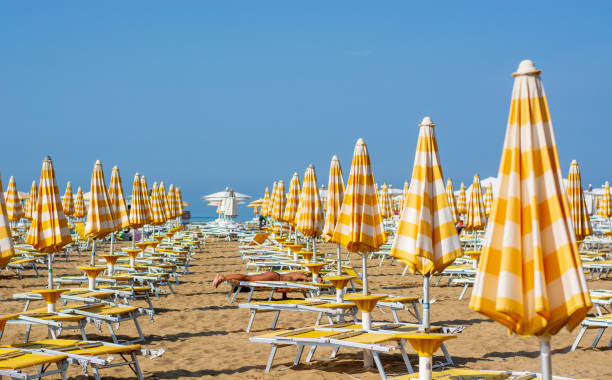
(204, 335)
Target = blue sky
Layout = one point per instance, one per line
(208, 94)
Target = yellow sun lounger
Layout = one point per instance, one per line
(601, 323)
(471, 374)
(14, 363)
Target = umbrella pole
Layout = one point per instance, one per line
(425, 319)
(545, 357)
(314, 250)
(93, 251)
(112, 243)
(339, 259)
(50, 283)
(133, 238)
(364, 273)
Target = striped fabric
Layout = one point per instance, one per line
(79, 204)
(266, 203)
(280, 200)
(7, 250)
(359, 227)
(462, 201)
(335, 194)
(488, 200)
(404, 196)
(145, 194)
(138, 213)
(605, 208)
(293, 198)
(171, 197)
(426, 239)
(13, 203)
(476, 219)
(117, 200)
(100, 220)
(159, 214)
(180, 209)
(578, 210)
(68, 201)
(310, 209)
(31, 201)
(164, 201)
(383, 199)
(530, 278)
(452, 202)
(49, 231)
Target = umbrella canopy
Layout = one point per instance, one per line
(68, 201)
(171, 197)
(138, 213)
(462, 200)
(280, 201)
(159, 215)
(293, 198)
(426, 239)
(359, 227)
(310, 209)
(180, 209)
(605, 208)
(164, 201)
(144, 188)
(452, 202)
(7, 251)
(79, 204)
(404, 195)
(30, 204)
(488, 200)
(221, 195)
(530, 278)
(385, 204)
(476, 219)
(578, 209)
(335, 195)
(100, 220)
(266, 203)
(117, 200)
(13, 204)
(231, 206)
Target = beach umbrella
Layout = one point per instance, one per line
(138, 212)
(385, 206)
(13, 203)
(605, 207)
(68, 201)
(7, 251)
(578, 209)
(117, 200)
(335, 195)
(164, 200)
(280, 201)
(293, 198)
(49, 230)
(100, 220)
(180, 209)
(404, 195)
(452, 202)
(30, 204)
(359, 227)
(79, 204)
(159, 217)
(231, 206)
(172, 206)
(476, 219)
(426, 239)
(488, 200)
(462, 200)
(266, 203)
(144, 188)
(530, 278)
(310, 209)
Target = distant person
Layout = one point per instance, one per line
(262, 221)
(267, 276)
(460, 227)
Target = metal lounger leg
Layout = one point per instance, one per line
(395, 317)
(335, 352)
(251, 319)
(140, 334)
(298, 356)
(579, 338)
(275, 319)
(381, 369)
(449, 359)
(311, 353)
(405, 270)
(405, 356)
(271, 358)
(238, 289)
(416, 312)
(598, 337)
(464, 290)
(271, 295)
(136, 366)
(318, 318)
(112, 332)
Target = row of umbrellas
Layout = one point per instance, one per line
(529, 277)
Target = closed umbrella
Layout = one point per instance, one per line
(335, 195)
(13, 203)
(605, 207)
(79, 205)
(452, 202)
(231, 205)
(7, 251)
(266, 203)
(68, 201)
(144, 188)
(117, 202)
(293, 198)
(404, 195)
(476, 219)
(384, 202)
(100, 220)
(157, 206)
(164, 201)
(171, 197)
(426, 239)
(180, 209)
(488, 200)
(310, 209)
(462, 201)
(49, 231)
(280, 200)
(30, 204)
(138, 213)
(578, 209)
(530, 278)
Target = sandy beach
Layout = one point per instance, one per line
(204, 335)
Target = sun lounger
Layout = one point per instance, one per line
(600, 323)
(312, 289)
(14, 363)
(471, 374)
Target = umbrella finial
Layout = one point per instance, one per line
(98, 162)
(360, 141)
(47, 158)
(427, 122)
(526, 67)
(574, 162)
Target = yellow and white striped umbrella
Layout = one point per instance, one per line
(180, 209)
(100, 220)
(488, 200)
(159, 214)
(452, 202)
(273, 199)
(359, 227)
(605, 207)
(171, 197)
(79, 204)
(13, 203)
(68, 201)
(575, 195)
(117, 200)
(138, 213)
(476, 219)
(462, 201)
(266, 203)
(335, 195)
(310, 209)
(49, 230)
(30, 204)
(404, 196)
(426, 239)
(7, 251)
(293, 197)
(280, 201)
(144, 188)
(163, 200)
(529, 277)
